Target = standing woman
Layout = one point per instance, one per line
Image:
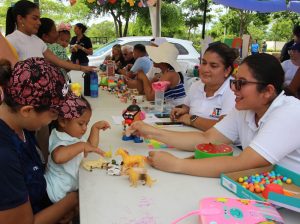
(22, 24)
(81, 46)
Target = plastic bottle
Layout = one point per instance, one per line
(94, 84)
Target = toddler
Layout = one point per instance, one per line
(67, 148)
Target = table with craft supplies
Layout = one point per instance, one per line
(111, 199)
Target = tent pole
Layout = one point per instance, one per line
(158, 19)
(204, 19)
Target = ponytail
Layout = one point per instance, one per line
(10, 21)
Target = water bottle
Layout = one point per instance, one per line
(159, 101)
(94, 84)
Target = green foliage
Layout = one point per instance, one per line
(172, 23)
(103, 29)
(281, 30)
(59, 12)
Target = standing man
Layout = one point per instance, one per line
(284, 55)
(255, 47)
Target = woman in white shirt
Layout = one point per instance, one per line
(263, 120)
(22, 23)
(210, 98)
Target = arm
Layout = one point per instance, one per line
(88, 51)
(6, 51)
(94, 134)
(200, 123)
(65, 64)
(51, 215)
(208, 167)
(181, 140)
(145, 84)
(294, 86)
(63, 154)
(177, 112)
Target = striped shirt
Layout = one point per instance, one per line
(177, 92)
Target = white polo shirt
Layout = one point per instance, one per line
(289, 71)
(27, 46)
(210, 107)
(277, 136)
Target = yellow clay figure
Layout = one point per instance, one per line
(89, 165)
(136, 174)
(131, 160)
(76, 88)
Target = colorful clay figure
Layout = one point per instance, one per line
(131, 114)
(212, 150)
(131, 160)
(139, 174)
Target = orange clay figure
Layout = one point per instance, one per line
(131, 114)
(131, 160)
(136, 174)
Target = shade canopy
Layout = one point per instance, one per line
(262, 6)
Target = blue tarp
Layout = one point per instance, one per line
(294, 6)
(255, 5)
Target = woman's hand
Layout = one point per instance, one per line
(142, 129)
(87, 69)
(176, 113)
(185, 119)
(164, 161)
(101, 125)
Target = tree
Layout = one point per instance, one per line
(172, 21)
(119, 9)
(193, 11)
(59, 12)
(105, 28)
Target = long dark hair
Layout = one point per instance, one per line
(267, 69)
(22, 8)
(227, 54)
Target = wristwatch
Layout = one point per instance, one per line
(193, 118)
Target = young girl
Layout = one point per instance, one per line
(25, 16)
(34, 93)
(67, 148)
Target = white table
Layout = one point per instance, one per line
(111, 200)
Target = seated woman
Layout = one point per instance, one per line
(165, 58)
(210, 98)
(33, 95)
(260, 120)
(117, 56)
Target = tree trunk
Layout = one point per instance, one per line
(126, 27)
(120, 27)
(242, 23)
(189, 34)
(115, 22)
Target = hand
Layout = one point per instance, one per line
(176, 113)
(67, 218)
(141, 75)
(164, 161)
(142, 129)
(185, 119)
(89, 148)
(101, 125)
(88, 68)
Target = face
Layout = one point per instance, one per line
(37, 120)
(78, 126)
(52, 36)
(30, 23)
(64, 39)
(127, 55)
(247, 96)
(77, 30)
(295, 56)
(212, 70)
(136, 54)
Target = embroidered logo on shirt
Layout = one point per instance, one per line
(35, 168)
(216, 113)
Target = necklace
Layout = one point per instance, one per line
(22, 136)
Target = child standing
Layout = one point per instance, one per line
(67, 148)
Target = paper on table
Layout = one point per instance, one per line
(150, 118)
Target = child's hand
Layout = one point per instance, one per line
(101, 125)
(89, 148)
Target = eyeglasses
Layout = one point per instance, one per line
(238, 83)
